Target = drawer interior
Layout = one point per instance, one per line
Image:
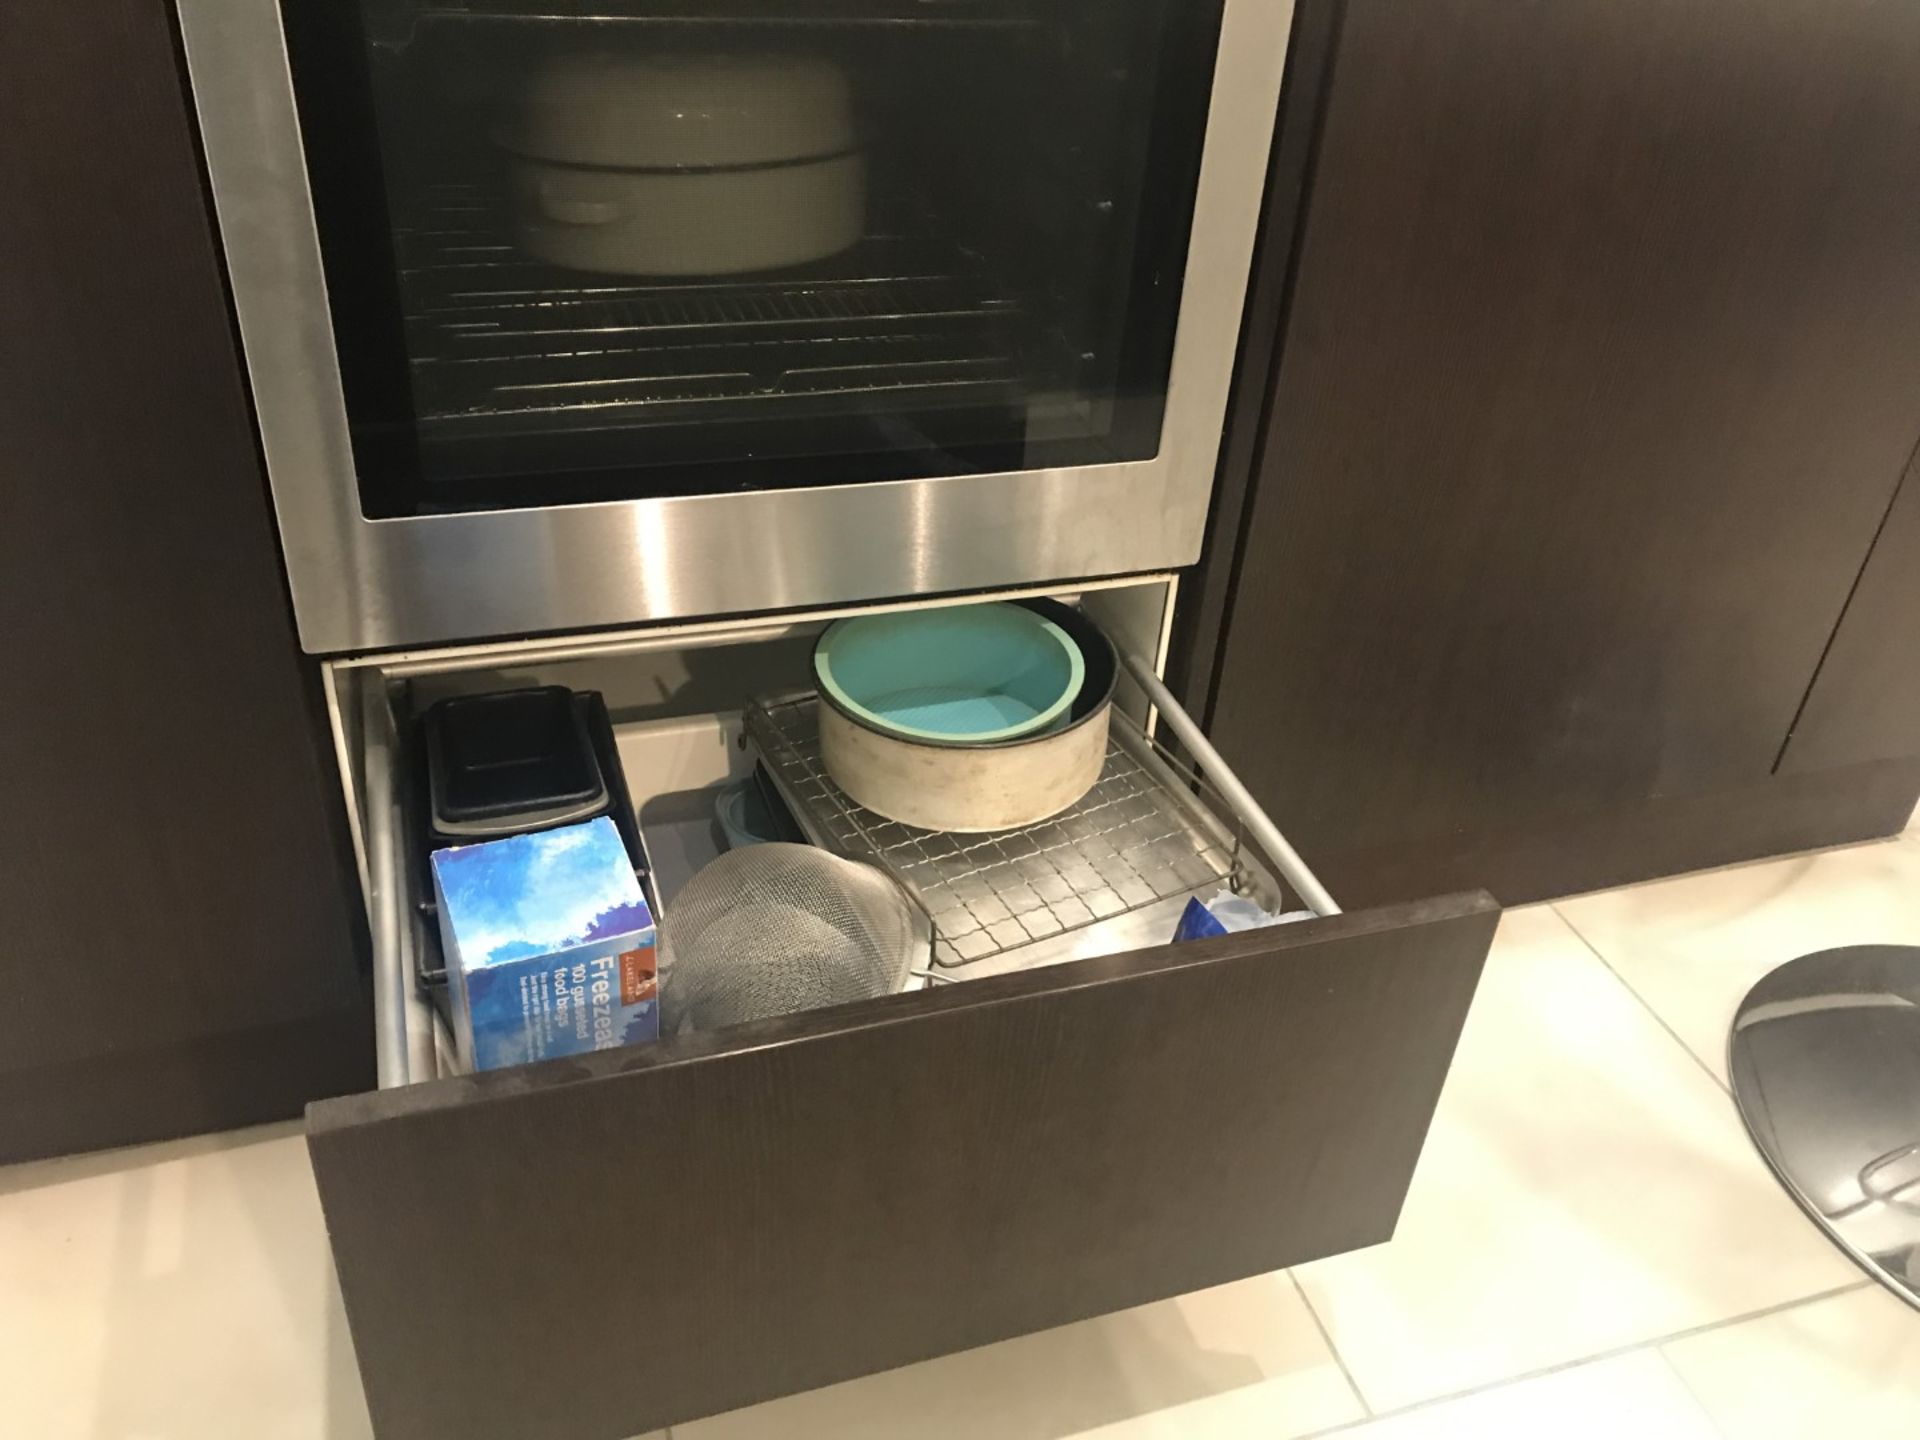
(682, 705)
(742, 1213)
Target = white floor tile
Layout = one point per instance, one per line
(1692, 947)
(1847, 1366)
(1237, 1361)
(176, 1292)
(1586, 1186)
(1631, 1395)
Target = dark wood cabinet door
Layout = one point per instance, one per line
(182, 935)
(590, 1248)
(1865, 703)
(1600, 366)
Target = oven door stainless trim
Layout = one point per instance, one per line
(362, 584)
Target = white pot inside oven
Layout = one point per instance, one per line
(685, 165)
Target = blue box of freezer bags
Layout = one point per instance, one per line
(549, 945)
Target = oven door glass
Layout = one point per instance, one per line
(583, 250)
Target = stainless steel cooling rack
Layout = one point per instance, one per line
(1139, 836)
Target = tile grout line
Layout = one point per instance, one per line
(1700, 1405)
(1655, 1344)
(1618, 1352)
(1645, 1004)
(1332, 1349)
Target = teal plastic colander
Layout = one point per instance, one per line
(967, 675)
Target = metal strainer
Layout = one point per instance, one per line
(770, 929)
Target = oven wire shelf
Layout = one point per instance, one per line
(1139, 837)
(495, 336)
(600, 14)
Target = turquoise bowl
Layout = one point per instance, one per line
(965, 675)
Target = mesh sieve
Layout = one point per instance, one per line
(770, 929)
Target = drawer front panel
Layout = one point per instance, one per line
(595, 1248)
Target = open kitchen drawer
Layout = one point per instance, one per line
(596, 1247)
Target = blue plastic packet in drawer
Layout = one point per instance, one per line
(549, 945)
(1226, 913)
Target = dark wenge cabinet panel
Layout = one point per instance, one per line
(1601, 365)
(845, 1190)
(1865, 705)
(183, 947)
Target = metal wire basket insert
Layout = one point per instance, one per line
(1137, 838)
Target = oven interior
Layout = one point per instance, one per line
(1009, 300)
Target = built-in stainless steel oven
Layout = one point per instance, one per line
(578, 313)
